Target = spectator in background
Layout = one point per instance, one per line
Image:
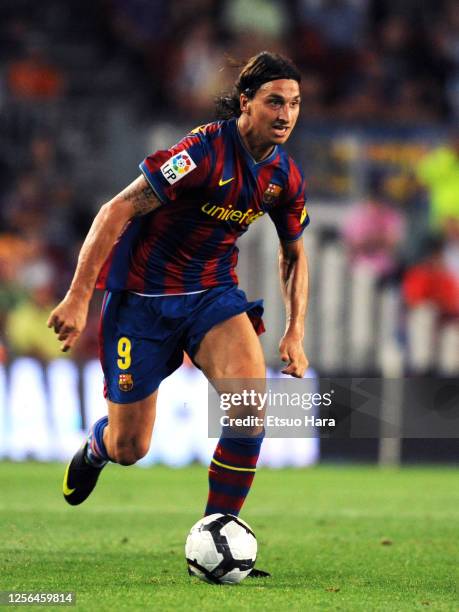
(28, 282)
(313, 95)
(451, 251)
(44, 160)
(446, 41)
(373, 231)
(13, 250)
(266, 20)
(34, 77)
(364, 97)
(396, 48)
(341, 23)
(389, 81)
(197, 64)
(24, 208)
(431, 282)
(330, 34)
(412, 200)
(411, 105)
(26, 331)
(438, 172)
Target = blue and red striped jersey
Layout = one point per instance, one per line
(211, 190)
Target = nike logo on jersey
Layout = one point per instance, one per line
(221, 182)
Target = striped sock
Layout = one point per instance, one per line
(96, 453)
(231, 472)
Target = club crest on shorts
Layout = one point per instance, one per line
(125, 382)
(271, 194)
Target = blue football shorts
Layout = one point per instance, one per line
(142, 339)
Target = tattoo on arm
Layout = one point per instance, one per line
(141, 196)
(144, 201)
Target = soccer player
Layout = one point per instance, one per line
(164, 251)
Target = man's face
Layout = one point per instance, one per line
(273, 111)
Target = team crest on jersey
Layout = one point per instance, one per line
(176, 167)
(271, 194)
(125, 382)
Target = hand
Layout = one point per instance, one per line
(291, 352)
(68, 320)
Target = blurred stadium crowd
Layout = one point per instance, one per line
(66, 66)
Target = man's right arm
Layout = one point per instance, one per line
(69, 317)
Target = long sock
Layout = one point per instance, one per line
(231, 473)
(96, 453)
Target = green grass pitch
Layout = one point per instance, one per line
(334, 538)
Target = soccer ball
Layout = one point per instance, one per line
(221, 548)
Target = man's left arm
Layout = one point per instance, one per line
(293, 271)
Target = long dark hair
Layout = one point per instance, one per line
(260, 68)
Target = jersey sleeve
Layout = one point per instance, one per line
(173, 171)
(291, 216)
